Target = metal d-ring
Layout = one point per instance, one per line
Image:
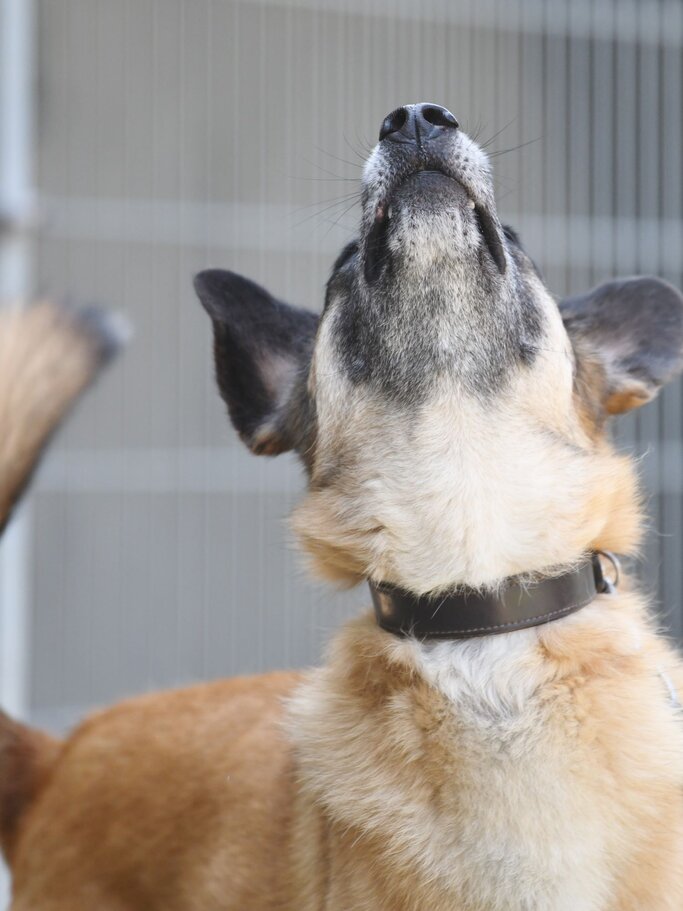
(611, 584)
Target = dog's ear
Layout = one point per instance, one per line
(262, 348)
(634, 327)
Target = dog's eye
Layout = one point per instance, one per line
(345, 255)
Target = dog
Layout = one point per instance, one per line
(502, 732)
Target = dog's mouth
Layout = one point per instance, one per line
(442, 189)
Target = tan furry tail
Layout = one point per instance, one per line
(48, 355)
(27, 757)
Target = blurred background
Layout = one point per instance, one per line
(142, 140)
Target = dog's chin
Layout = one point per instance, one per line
(429, 191)
(430, 214)
(427, 217)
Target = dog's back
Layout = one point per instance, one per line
(170, 801)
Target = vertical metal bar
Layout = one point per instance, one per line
(578, 95)
(556, 128)
(16, 203)
(670, 191)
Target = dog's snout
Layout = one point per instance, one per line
(417, 123)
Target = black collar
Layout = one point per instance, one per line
(467, 613)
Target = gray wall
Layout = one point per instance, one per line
(175, 134)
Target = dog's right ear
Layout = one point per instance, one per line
(262, 346)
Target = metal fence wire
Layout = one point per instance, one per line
(176, 134)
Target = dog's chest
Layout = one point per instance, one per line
(469, 792)
(518, 831)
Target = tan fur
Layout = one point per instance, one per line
(588, 793)
(46, 360)
(152, 804)
(26, 759)
(48, 355)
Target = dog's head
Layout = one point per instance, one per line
(450, 415)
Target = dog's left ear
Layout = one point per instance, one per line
(262, 350)
(634, 327)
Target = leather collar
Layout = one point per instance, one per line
(466, 613)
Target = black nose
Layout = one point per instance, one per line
(416, 123)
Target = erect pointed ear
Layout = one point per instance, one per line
(634, 327)
(262, 350)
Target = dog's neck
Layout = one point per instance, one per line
(467, 493)
(518, 603)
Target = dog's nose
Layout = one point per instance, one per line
(416, 123)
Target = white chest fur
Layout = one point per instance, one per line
(521, 835)
(462, 773)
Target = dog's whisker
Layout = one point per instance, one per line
(332, 174)
(335, 200)
(329, 208)
(353, 164)
(521, 145)
(342, 214)
(327, 179)
(487, 142)
(362, 155)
